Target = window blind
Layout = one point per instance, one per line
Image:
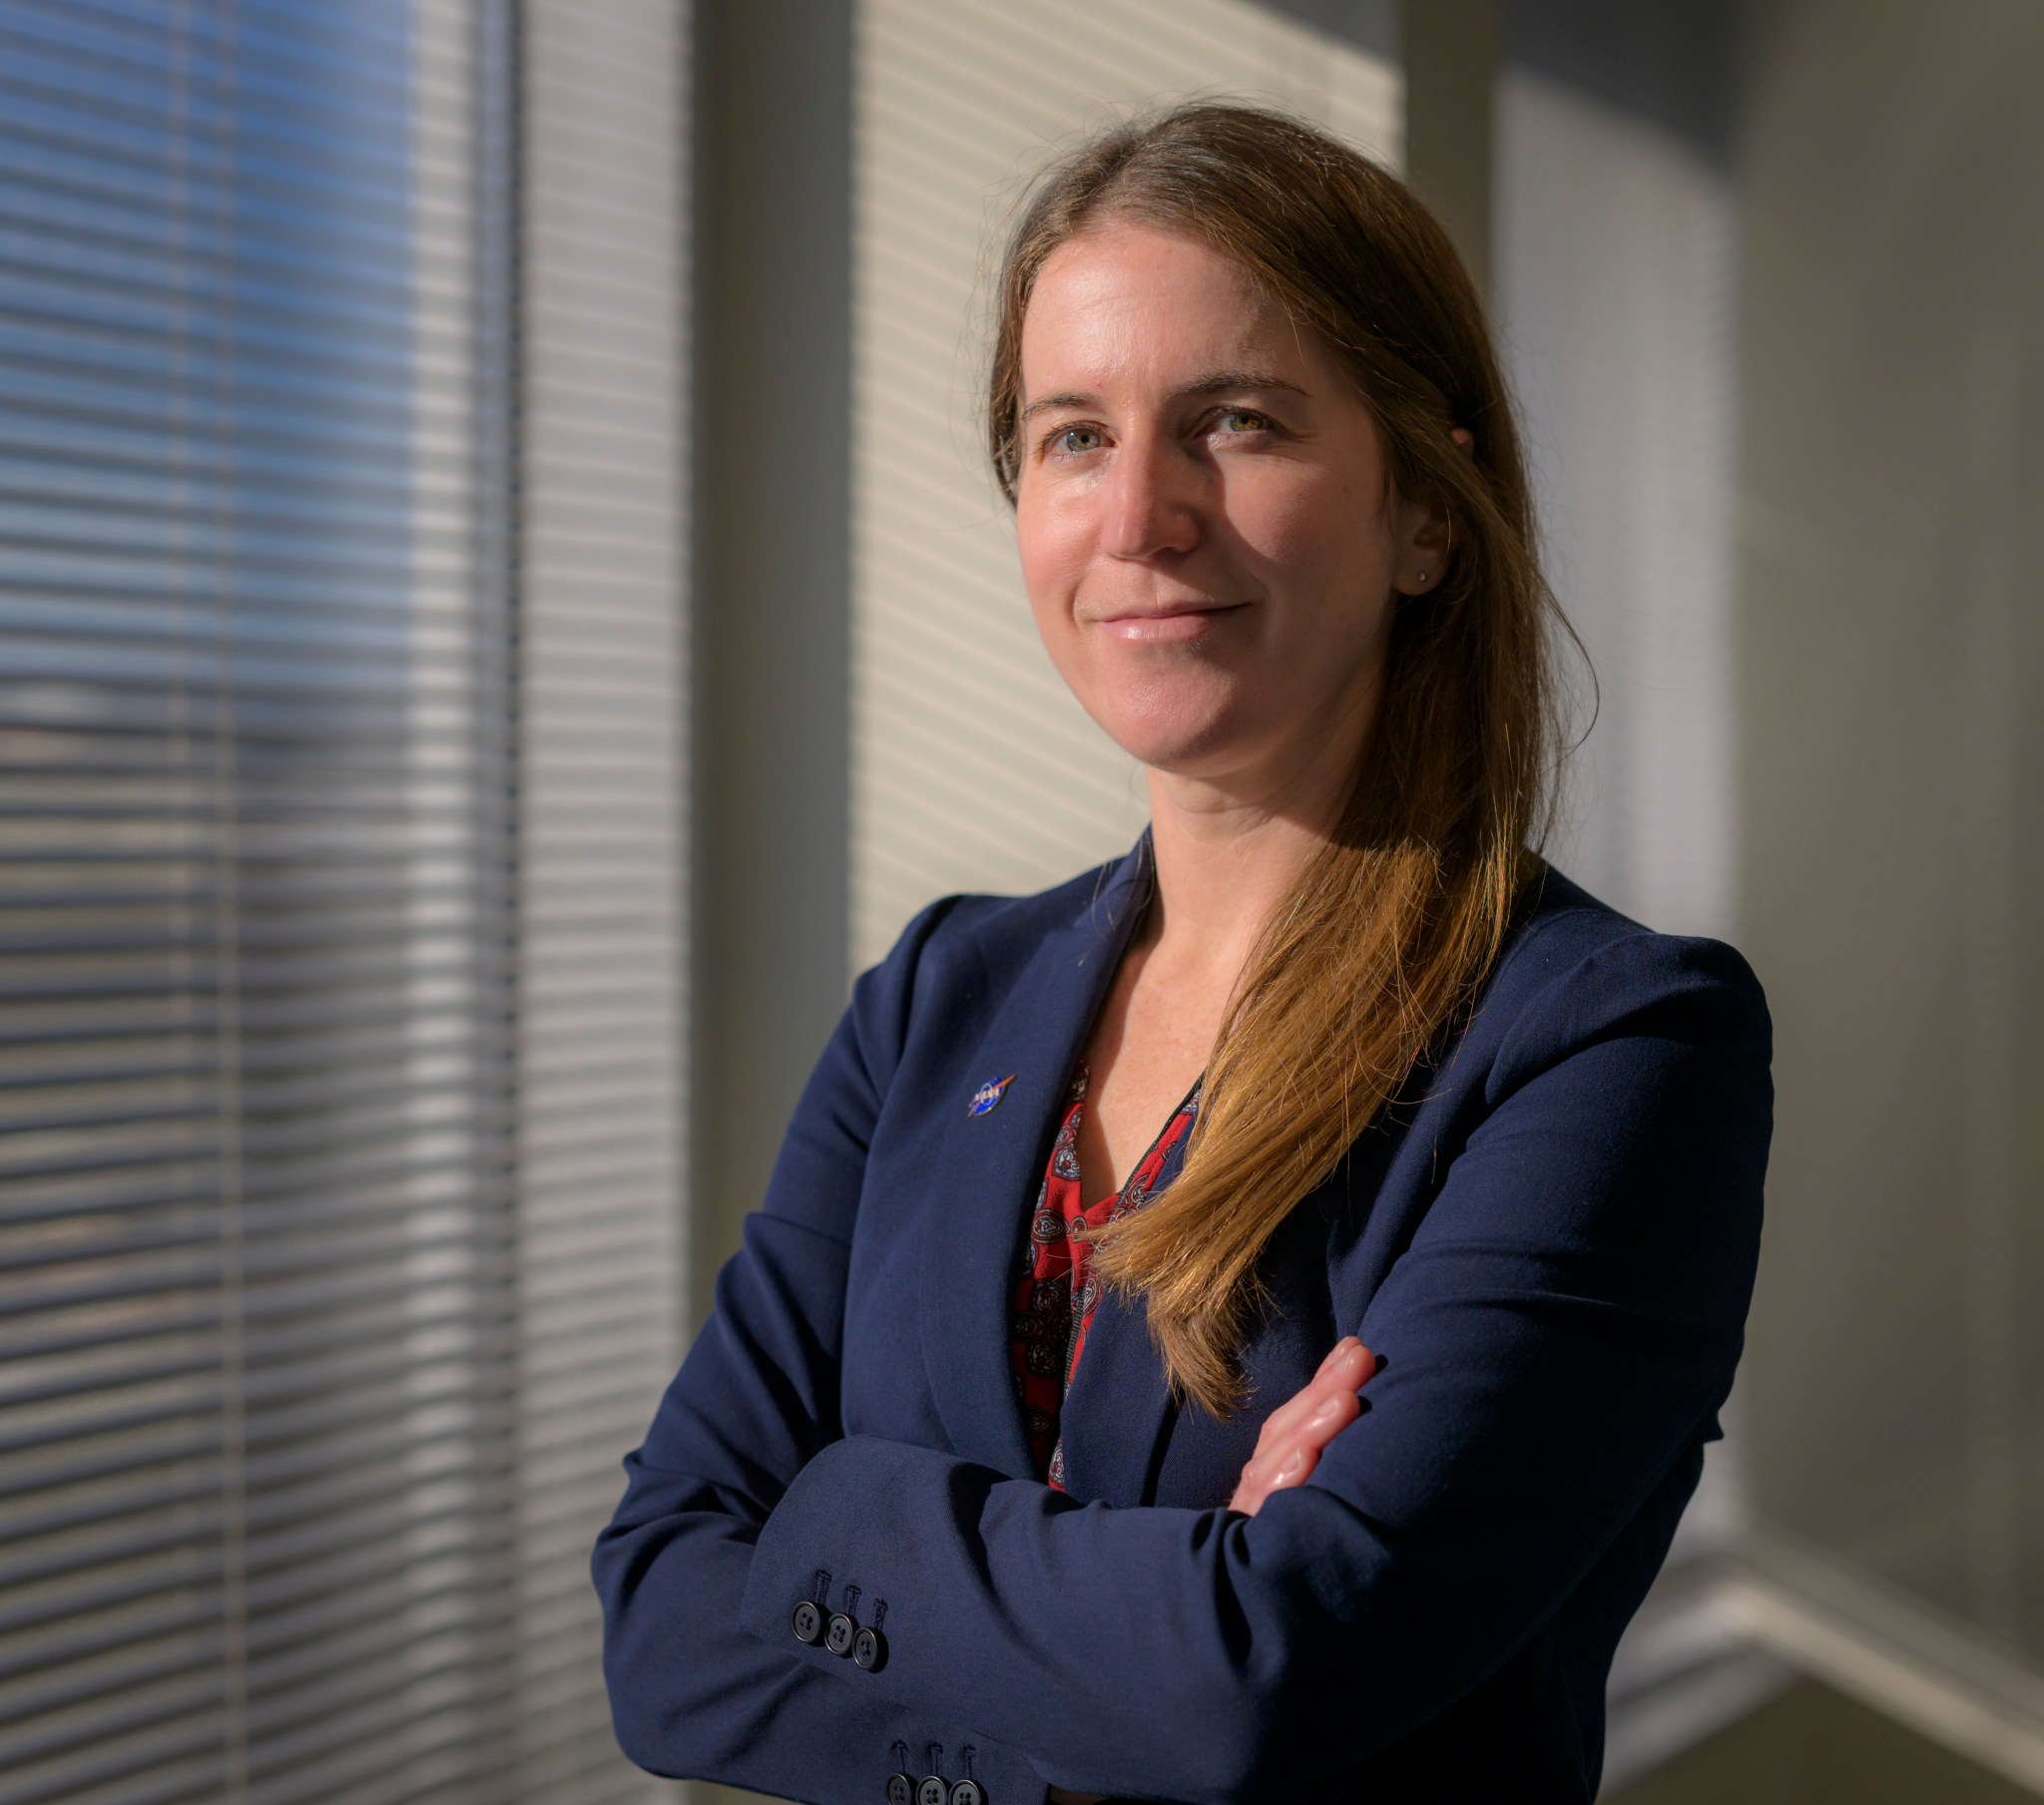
(310, 1377)
(604, 823)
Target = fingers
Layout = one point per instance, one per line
(1278, 1471)
(1309, 1434)
(1289, 1445)
(1344, 1348)
(1334, 1385)
(1347, 1356)
(1348, 1366)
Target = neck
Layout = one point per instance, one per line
(1230, 853)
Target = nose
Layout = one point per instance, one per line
(1151, 499)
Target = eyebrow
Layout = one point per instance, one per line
(1219, 382)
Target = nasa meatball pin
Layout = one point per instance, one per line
(988, 1095)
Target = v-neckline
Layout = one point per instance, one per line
(1163, 1128)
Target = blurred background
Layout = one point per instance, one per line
(502, 614)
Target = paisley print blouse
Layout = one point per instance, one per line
(1056, 1290)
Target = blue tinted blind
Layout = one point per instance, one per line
(260, 1332)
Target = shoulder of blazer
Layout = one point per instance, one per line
(1004, 932)
(962, 953)
(1574, 970)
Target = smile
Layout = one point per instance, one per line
(1183, 624)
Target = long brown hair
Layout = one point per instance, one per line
(1399, 917)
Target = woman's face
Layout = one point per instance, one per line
(1200, 510)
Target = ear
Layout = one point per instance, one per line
(1426, 535)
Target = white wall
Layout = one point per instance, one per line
(1615, 259)
(1891, 181)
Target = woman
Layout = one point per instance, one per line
(1248, 1320)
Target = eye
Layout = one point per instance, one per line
(1073, 441)
(1241, 420)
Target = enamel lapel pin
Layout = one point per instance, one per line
(988, 1095)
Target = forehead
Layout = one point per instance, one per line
(1122, 301)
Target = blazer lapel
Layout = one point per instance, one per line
(1118, 1411)
(987, 1168)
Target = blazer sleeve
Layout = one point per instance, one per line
(1556, 1337)
(694, 1694)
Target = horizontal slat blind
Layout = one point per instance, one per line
(603, 909)
(316, 1356)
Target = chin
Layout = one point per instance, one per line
(1181, 714)
(1181, 739)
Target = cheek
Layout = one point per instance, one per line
(1320, 532)
(1048, 548)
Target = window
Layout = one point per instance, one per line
(340, 830)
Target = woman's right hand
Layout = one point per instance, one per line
(1288, 1446)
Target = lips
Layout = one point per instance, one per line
(1152, 625)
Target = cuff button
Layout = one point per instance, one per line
(868, 1650)
(838, 1638)
(900, 1790)
(967, 1792)
(932, 1791)
(809, 1621)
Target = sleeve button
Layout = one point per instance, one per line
(809, 1621)
(932, 1791)
(966, 1792)
(838, 1638)
(868, 1650)
(900, 1790)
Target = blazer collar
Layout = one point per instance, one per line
(985, 1174)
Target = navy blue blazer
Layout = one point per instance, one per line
(1548, 1239)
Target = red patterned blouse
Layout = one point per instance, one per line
(1056, 1290)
